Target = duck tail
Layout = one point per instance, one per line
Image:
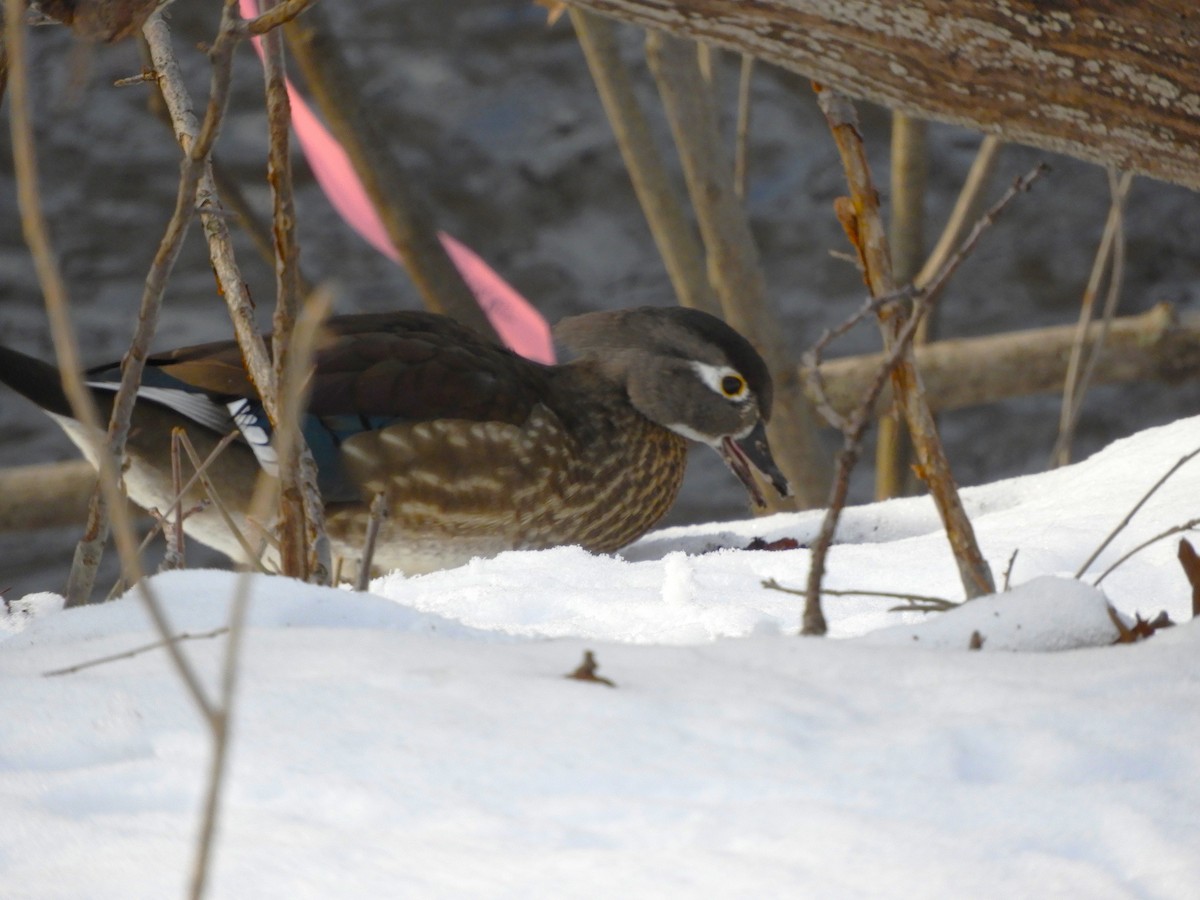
(37, 380)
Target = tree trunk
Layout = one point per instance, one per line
(1110, 81)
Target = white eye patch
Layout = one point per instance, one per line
(724, 381)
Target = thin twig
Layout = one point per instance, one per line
(741, 145)
(58, 310)
(855, 426)
(301, 513)
(934, 603)
(197, 142)
(294, 391)
(863, 223)
(120, 585)
(334, 89)
(219, 726)
(906, 236)
(379, 511)
(1110, 258)
(1009, 568)
(966, 208)
(657, 195)
(256, 229)
(173, 534)
(1180, 463)
(812, 357)
(280, 14)
(137, 651)
(1175, 529)
(253, 557)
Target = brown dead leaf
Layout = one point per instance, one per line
(783, 543)
(1191, 567)
(100, 20)
(1141, 628)
(587, 671)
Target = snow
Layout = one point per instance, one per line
(421, 740)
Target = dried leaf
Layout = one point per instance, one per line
(1191, 567)
(587, 670)
(784, 543)
(1141, 629)
(976, 642)
(99, 20)
(554, 10)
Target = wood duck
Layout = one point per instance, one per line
(476, 450)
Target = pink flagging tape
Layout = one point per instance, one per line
(519, 325)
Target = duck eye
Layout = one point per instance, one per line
(733, 385)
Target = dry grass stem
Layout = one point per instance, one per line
(966, 208)
(741, 145)
(909, 171)
(1179, 464)
(1174, 529)
(1008, 569)
(660, 201)
(280, 14)
(379, 511)
(924, 602)
(301, 513)
(253, 556)
(409, 227)
(136, 651)
(66, 346)
(1110, 259)
(220, 723)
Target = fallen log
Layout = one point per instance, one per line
(1154, 346)
(45, 496)
(1109, 81)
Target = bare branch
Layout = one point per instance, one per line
(1179, 464)
(741, 145)
(1174, 529)
(660, 201)
(136, 651)
(301, 512)
(280, 14)
(855, 426)
(408, 225)
(379, 511)
(928, 603)
(57, 307)
(1110, 258)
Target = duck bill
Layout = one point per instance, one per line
(749, 454)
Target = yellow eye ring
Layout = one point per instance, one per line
(733, 386)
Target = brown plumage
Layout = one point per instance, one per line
(476, 450)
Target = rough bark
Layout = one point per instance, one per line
(1110, 81)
